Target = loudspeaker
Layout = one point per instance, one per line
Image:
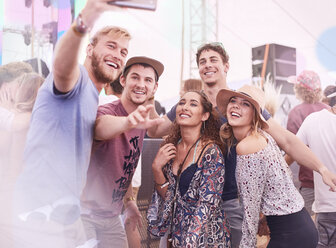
(281, 63)
(149, 151)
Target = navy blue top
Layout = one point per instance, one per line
(230, 190)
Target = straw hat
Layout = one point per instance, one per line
(251, 93)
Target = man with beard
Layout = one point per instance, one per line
(116, 153)
(58, 148)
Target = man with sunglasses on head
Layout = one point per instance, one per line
(213, 65)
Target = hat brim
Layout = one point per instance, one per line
(157, 65)
(223, 99)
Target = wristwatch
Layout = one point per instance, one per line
(79, 27)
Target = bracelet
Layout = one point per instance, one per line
(130, 198)
(165, 184)
(79, 27)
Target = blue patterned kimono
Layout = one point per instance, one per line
(199, 219)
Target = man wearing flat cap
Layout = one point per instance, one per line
(119, 132)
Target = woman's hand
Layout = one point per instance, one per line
(328, 177)
(165, 153)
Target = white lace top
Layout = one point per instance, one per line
(264, 184)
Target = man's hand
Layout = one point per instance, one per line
(140, 119)
(133, 216)
(94, 8)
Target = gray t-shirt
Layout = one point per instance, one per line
(58, 147)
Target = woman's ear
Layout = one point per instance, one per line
(205, 116)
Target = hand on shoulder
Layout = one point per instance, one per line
(251, 144)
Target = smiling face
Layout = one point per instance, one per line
(108, 57)
(189, 110)
(240, 112)
(139, 84)
(211, 68)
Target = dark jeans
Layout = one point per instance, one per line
(295, 230)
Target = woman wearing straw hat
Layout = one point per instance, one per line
(263, 178)
(189, 178)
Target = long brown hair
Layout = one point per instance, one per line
(209, 129)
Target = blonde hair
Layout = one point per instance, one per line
(10, 71)
(28, 85)
(307, 95)
(117, 32)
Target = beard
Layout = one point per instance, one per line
(100, 74)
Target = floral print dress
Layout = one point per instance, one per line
(264, 185)
(199, 219)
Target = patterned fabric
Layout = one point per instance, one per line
(264, 184)
(199, 219)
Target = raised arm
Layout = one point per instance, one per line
(164, 127)
(65, 63)
(299, 152)
(109, 126)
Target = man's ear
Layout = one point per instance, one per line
(226, 67)
(122, 80)
(89, 50)
(155, 87)
(205, 116)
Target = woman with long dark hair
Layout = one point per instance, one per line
(189, 178)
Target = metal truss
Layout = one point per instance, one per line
(203, 28)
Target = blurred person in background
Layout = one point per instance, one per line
(307, 88)
(19, 99)
(318, 131)
(191, 85)
(8, 73)
(329, 95)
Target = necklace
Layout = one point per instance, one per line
(181, 165)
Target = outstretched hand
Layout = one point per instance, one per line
(140, 119)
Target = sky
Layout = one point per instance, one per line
(309, 26)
